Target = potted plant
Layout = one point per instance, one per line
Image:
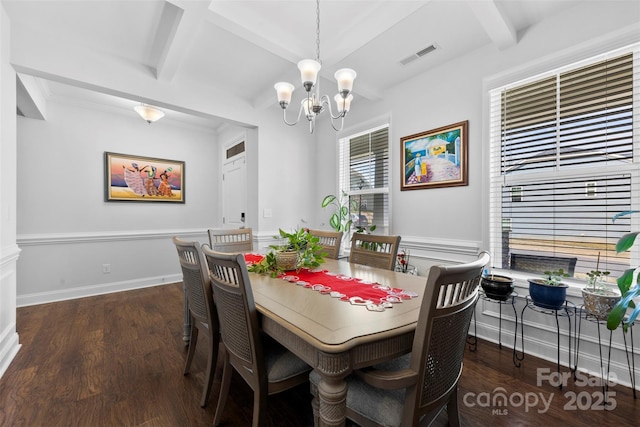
(299, 250)
(599, 300)
(549, 291)
(497, 287)
(340, 219)
(627, 283)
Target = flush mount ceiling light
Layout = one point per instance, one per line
(314, 104)
(149, 113)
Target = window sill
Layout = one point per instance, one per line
(521, 281)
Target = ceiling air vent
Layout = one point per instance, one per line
(418, 54)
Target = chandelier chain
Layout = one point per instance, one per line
(318, 31)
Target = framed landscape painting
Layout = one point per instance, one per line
(143, 179)
(435, 158)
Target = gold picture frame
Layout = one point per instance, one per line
(143, 179)
(435, 158)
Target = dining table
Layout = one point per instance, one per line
(336, 333)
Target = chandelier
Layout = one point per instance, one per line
(314, 104)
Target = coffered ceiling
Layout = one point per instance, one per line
(243, 47)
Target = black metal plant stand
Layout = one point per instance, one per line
(630, 361)
(568, 309)
(472, 340)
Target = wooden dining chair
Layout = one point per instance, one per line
(233, 240)
(330, 242)
(374, 251)
(265, 365)
(202, 310)
(413, 389)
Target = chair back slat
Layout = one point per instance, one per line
(231, 241)
(374, 250)
(330, 242)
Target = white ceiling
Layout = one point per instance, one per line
(243, 47)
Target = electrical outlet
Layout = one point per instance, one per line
(106, 268)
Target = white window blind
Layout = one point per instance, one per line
(563, 161)
(364, 176)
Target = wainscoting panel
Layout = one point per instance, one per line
(9, 343)
(56, 267)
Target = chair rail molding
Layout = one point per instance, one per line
(8, 256)
(441, 249)
(106, 236)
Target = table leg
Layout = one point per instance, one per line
(332, 400)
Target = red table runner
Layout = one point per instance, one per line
(375, 296)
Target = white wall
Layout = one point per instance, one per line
(8, 250)
(66, 229)
(285, 174)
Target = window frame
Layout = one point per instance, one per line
(343, 170)
(495, 220)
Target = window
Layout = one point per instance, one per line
(564, 161)
(364, 177)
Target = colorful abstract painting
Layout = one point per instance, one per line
(143, 179)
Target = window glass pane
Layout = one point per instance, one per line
(369, 159)
(541, 204)
(364, 177)
(567, 218)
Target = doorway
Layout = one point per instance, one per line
(234, 186)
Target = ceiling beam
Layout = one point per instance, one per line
(495, 23)
(228, 22)
(31, 96)
(176, 30)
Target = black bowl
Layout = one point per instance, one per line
(497, 287)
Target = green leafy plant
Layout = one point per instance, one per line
(627, 283)
(310, 253)
(340, 219)
(596, 282)
(554, 278)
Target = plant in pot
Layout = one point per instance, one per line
(627, 283)
(598, 299)
(299, 250)
(549, 291)
(340, 219)
(497, 287)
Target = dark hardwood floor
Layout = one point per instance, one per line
(117, 359)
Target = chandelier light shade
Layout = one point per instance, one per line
(314, 104)
(149, 113)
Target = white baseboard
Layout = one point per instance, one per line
(92, 290)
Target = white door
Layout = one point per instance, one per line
(234, 192)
